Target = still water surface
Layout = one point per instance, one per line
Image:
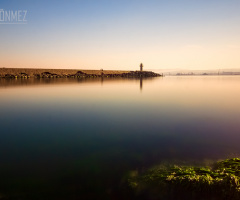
(78, 139)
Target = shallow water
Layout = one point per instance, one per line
(73, 139)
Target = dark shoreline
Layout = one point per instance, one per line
(11, 73)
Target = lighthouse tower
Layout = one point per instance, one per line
(141, 67)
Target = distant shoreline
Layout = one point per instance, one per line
(70, 73)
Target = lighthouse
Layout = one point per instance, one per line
(141, 67)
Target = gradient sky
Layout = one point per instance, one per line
(119, 34)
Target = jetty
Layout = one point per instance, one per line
(25, 73)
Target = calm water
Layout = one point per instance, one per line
(71, 139)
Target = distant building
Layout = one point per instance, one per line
(141, 67)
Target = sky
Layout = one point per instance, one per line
(120, 34)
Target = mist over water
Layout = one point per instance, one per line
(75, 139)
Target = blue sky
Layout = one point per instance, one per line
(114, 34)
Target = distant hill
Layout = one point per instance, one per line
(173, 72)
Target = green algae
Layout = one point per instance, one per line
(219, 181)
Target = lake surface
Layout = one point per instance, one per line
(78, 139)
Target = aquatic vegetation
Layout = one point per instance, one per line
(221, 181)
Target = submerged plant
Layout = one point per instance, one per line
(222, 180)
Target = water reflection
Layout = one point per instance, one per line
(141, 83)
(32, 81)
(29, 82)
(77, 139)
